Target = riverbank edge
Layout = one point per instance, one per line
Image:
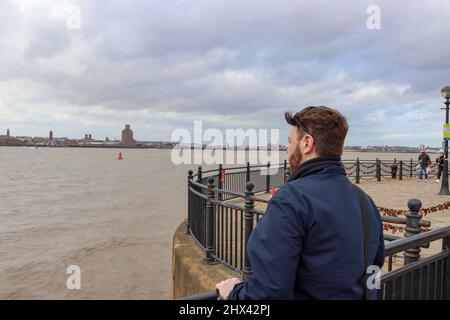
(189, 275)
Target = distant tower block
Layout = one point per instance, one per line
(50, 135)
(8, 133)
(127, 137)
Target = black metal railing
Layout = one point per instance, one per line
(220, 225)
(414, 224)
(419, 279)
(358, 170)
(422, 279)
(222, 213)
(216, 197)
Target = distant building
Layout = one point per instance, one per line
(11, 141)
(88, 137)
(25, 139)
(50, 135)
(127, 137)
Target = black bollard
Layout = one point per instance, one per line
(358, 177)
(268, 178)
(412, 228)
(378, 171)
(411, 169)
(400, 175)
(247, 173)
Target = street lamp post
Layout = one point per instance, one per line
(445, 92)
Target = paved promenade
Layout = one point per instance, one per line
(394, 194)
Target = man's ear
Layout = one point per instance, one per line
(308, 144)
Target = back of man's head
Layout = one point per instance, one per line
(327, 126)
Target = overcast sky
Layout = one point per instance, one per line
(160, 65)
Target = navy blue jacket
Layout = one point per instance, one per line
(309, 243)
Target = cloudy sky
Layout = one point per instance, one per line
(160, 65)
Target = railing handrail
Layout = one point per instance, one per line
(198, 184)
(416, 240)
(199, 194)
(260, 199)
(402, 220)
(208, 295)
(230, 193)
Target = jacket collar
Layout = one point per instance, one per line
(329, 163)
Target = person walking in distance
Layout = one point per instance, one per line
(440, 163)
(424, 162)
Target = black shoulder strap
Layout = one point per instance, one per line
(365, 222)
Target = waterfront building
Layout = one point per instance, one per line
(7, 140)
(127, 137)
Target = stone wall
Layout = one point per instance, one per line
(189, 275)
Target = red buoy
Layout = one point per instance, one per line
(273, 191)
(120, 156)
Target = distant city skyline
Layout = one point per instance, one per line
(129, 137)
(162, 65)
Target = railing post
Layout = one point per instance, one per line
(210, 225)
(268, 177)
(378, 170)
(188, 224)
(248, 226)
(412, 228)
(199, 205)
(199, 175)
(411, 169)
(219, 182)
(247, 174)
(400, 174)
(287, 173)
(358, 177)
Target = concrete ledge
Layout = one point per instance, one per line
(189, 275)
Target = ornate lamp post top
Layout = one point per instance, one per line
(445, 92)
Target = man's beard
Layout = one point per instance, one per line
(294, 161)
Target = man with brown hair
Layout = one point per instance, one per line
(320, 233)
